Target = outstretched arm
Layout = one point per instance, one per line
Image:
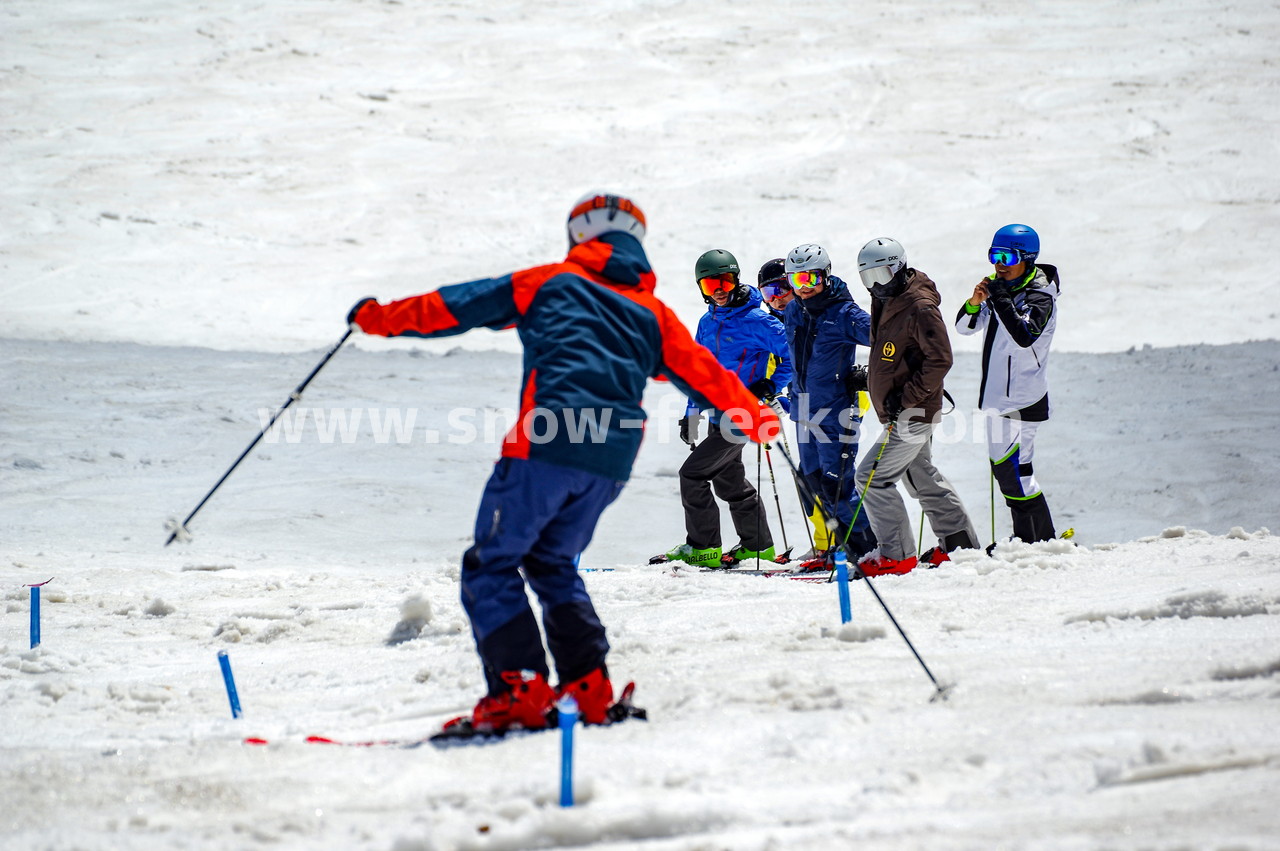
(695, 371)
(450, 310)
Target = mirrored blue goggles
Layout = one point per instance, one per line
(774, 289)
(1004, 256)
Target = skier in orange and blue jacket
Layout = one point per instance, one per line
(593, 333)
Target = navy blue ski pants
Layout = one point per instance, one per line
(821, 465)
(534, 517)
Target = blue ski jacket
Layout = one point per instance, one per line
(593, 332)
(824, 332)
(746, 341)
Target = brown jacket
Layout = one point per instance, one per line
(910, 350)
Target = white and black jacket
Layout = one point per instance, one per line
(1015, 349)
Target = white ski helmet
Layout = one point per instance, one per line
(598, 213)
(880, 261)
(808, 258)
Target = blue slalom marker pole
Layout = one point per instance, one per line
(568, 709)
(35, 616)
(225, 663)
(842, 580)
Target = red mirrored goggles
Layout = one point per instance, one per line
(805, 280)
(718, 284)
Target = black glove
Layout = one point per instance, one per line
(351, 314)
(762, 388)
(999, 289)
(893, 405)
(855, 379)
(689, 429)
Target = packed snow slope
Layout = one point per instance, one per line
(195, 194)
(100, 442)
(235, 176)
(1121, 693)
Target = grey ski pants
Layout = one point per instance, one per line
(908, 455)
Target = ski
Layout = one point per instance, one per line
(726, 563)
(412, 742)
(807, 576)
(464, 733)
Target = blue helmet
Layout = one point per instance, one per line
(1021, 239)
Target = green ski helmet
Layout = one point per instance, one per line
(716, 263)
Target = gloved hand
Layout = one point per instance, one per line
(855, 379)
(689, 429)
(999, 289)
(351, 314)
(893, 405)
(762, 388)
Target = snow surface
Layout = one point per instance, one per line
(195, 195)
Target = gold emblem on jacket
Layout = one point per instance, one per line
(889, 351)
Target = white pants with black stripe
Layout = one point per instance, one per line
(1012, 443)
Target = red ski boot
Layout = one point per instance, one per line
(934, 556)
(816, 560)
(594, 694)
(878, 565)
(525, 707)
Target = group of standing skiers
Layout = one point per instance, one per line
(857, 506)
(594, 333)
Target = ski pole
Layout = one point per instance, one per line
(845, 440)
(940, 691)
(805, 511)
(993, 506)
(888, 432)
(179, 530)
(759, 506)
(778, 503)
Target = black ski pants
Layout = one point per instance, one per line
(716, 463)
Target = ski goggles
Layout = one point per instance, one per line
(717, 284)
(878, 276)
(805, 280)
(774, 289)
(1004, 256)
